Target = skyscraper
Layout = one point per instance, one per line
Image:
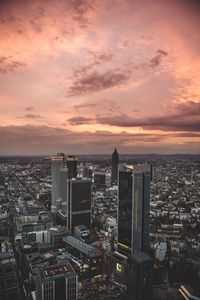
(58, 282)
(115, 162)
(133, 229)
(79, 203)
(57, 165)
(64, 190)
(133, 208)
(72, 166)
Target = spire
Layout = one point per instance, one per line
(115, 161)
(115, 153)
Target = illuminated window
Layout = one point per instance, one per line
(119, 267)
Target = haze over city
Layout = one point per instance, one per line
(86, 76)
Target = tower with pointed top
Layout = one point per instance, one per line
(115, 162)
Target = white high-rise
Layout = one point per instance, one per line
(57, 165)
(64, 191)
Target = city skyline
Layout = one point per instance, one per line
(88, 76)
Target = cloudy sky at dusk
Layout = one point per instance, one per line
(84, 76)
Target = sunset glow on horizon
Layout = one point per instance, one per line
(88, 76)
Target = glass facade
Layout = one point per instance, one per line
(79, 204)
(57, 164)
(48, 290)
(133, 207)
(100, 179)
(125, 210)
(137, 210)
(146, 207)
(81, 195)
(60, 288)
(72, 166)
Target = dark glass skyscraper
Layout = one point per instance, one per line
(115, 162)
(133, 229)
(133, 208)
(72, 166)
(79, 203)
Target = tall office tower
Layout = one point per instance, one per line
(115, 162)
(79, 203)
(57, 165)
(58, 282)
(72, 166)
(64, 190)
(133, 208)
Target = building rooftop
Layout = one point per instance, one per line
(61, 268)
(56, 270)
(81, 227)
(125, 168)
(48, 255)
(59, 158)
(57, 229)
(72, 158)
(137, 168)
(81, 246)
(80, 180)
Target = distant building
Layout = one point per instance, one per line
(100, 179)
(87, 172)
(79, 203)
(133, 208)
(57, 282)
(115, 162)
(57, 165)
(72, 166)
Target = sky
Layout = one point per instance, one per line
(86, 76)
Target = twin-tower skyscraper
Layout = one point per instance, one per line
(71, 196)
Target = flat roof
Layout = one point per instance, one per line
(81, 227)
(136, 168)
(60, 268)
(81, 246)
(60, 158)
(48, 255)
(55, 270)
